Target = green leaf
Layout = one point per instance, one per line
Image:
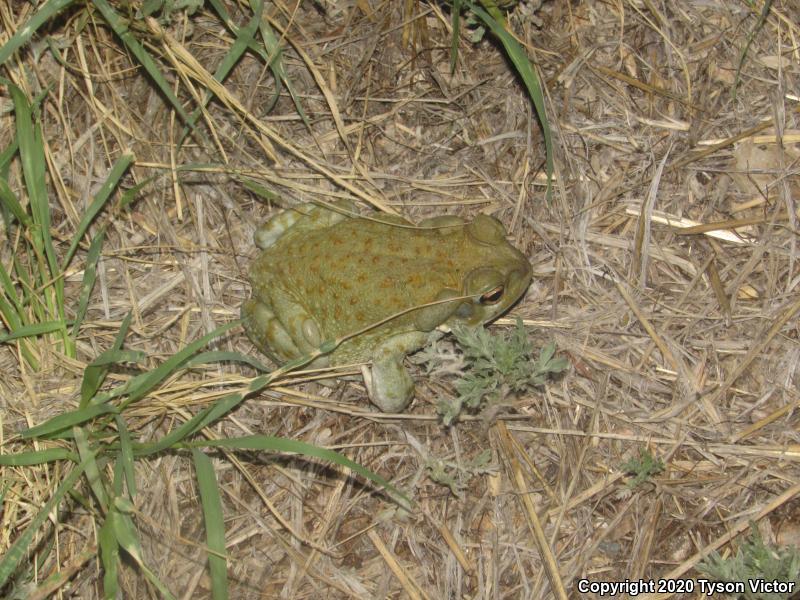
(89, 277)
(455, 21)
(104, 193)
(277, 444)
(68, 420)
(95, 373)
(109, 557)
(523, 66)
(126, 457)
(31, 151)
(275, 61)
(214, 524)
(547, 353)
(13, 313)
(197, 422)
(244, 40)
(92, 470)
(32, 157)
(260, 190)
(10, 201)
(120, 27)
(144, 383)
(127, 537)
(38, 457)
(33, 330)
(128, 196)
(22, 36)
(217, 356)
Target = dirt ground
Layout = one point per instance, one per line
(666, 270)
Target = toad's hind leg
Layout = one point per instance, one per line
(281, 328)
(267, 332)
(301, 218)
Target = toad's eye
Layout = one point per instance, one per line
(493, 296)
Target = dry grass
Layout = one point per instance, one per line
(682, 341)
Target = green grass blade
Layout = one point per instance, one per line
(491, 7)
(109, 557)
(269, 58)
(137, 387)
(27, 287)
(33, 330)
(244, 39)
(89, 277)
(214, 524)
(93, 474)
(523, 66)
(38, 457)
(128, 539)
(217, 356)
(277, 444)
(5, 163)
(259, 190)
(10, 202)
(273, 47)
(68, 420)
(149, 380)
(10, 305)
(100, 199)
(129, 195)
(95, 372)
(455, 22)
(19, 549)
(193, 425)
(762, 19)
(206, 416)
(13, 313)
(125, 457)
(32, 157)
(120, 27)
(31, 151)
(6, 157)
(46, 12)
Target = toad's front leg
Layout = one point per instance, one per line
(389, 384)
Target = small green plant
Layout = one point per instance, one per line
(165, 9)
(755, 560)
(446, 472)
(642, 468)
(497, 367)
